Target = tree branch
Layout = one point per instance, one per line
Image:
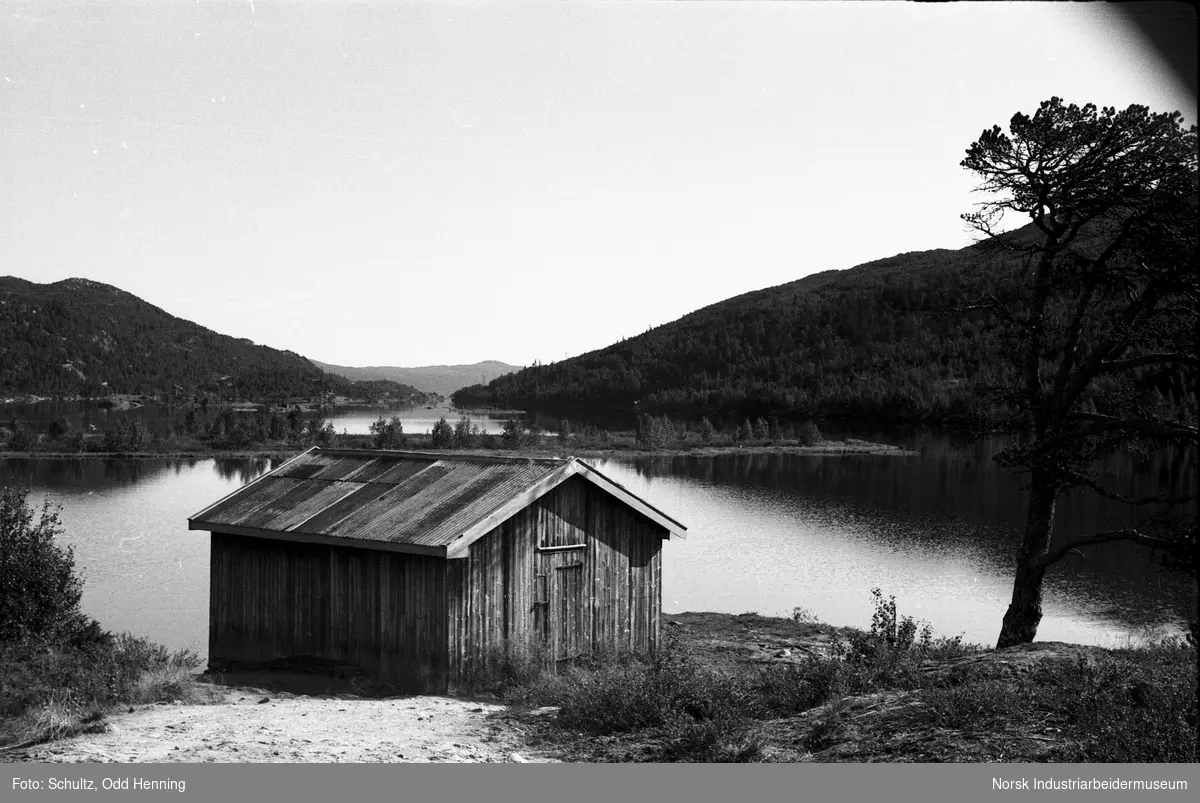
(987, 302)
(1113, 345)
(1109, 366)
(1129, 534)
(1071, 350)
(1078, 478)
(1146, 426)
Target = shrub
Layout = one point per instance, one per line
(787, 690)
(803, 616)
(808, 434)
(325, 434)
(654, 433)
(890, 634)
(507, 668)
(50, 690)
(388, 434)
(442, 435)
(20, 439)
(829, 728)
(715, 741)
(131, 435)
(891, 653)
(59, 670)
(464, 434)
(58, 428)
(980, 705)
(612, 694)
(39, 592)
(514, 434)
(1140, 706)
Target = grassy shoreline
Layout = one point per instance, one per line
(747, 688)
(56, 689)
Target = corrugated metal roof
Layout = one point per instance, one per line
(410, 498)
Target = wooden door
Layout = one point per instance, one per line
(559, 593)
(569, 613)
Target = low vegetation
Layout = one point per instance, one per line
(60, 672)
(651, 433)
(750, 688)
(190, 430)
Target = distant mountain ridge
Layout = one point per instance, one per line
(79, 337)
(440, 379)
(873, 342)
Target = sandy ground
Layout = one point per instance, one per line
(248, 724)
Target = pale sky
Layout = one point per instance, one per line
(416, 183)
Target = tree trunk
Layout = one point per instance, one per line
(1025, 611)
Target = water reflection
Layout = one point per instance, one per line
(767, 532)
(242, 471)
(144, 572)
(81, 473)
(937, 530)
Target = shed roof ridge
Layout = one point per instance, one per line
(401, 497)
(448, 456)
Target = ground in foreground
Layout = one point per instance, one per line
(258, 723)
(723, 688)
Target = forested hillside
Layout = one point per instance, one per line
(83, 338)
(877, 341)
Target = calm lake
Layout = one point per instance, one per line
(767, 533)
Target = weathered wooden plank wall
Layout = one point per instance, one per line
(605, 595)
(490, 594)
(625, 575)
(576, 571)
(384, 612)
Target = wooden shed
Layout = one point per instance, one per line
(413, 567)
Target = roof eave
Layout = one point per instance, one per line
(315, 538)
(459, 548)
(674, 528)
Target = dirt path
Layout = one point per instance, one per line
(252, 725)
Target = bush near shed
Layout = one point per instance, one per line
(60, 672)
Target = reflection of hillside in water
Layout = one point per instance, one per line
(952, 494)
(85, 474)
(941, 480)
(89, 474)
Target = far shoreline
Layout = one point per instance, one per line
(848, 447)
